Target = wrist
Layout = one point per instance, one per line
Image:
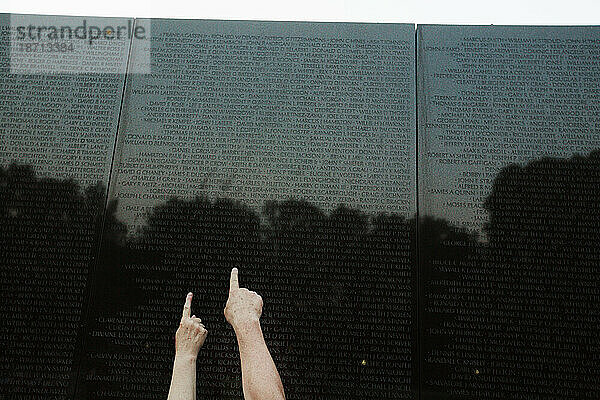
(247, 329)
(247, 324)
(185, 358)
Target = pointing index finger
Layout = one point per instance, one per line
(188, 305)
(233, 280)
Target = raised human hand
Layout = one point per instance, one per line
(243, 305)
(191, 333)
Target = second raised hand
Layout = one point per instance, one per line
(243, 305)
(191, 333)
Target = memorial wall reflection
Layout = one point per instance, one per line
(508, 285)
(57, 134)
(509, 133)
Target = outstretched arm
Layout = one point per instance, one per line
(189, 338)
(260, 379)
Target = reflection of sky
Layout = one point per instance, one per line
(268, 115)
(61, 124)
(496, 95)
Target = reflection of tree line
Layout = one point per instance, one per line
(337, 287)
(528, 321)
(47, 229)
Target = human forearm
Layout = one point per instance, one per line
(260, 379)
(183, 381)
(189, 338)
